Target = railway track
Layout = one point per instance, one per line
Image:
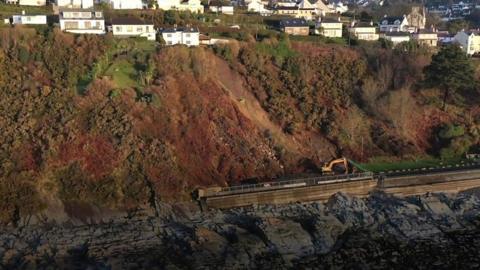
(401, 182)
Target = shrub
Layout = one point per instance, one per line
(19, 198)
(451, 131)
(75, 185)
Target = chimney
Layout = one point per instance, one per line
(23, 12)
(371, 23)
(339, 19)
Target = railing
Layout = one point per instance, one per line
(312, 181)
(438, 169)
(302, 182)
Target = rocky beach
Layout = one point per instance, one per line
(437, 231)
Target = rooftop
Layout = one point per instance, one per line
(180, 29)
(392, 19)
(397, 34)
(294, 23)
(364, 24)
(427, 31)
(330, 20)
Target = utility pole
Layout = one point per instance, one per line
(361, 155)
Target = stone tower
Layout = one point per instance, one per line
(417, 17)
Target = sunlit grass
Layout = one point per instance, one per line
(383, 166)
(123, 73)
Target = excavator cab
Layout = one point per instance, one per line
(337, 166)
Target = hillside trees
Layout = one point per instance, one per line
(451, 71)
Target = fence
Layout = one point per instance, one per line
(302, 182)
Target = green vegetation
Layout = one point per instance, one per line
(385, 166)
(123, 73)
(451, 71)
(279, 51)
(319, 39)
(7, 10)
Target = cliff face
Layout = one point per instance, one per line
(380, 231)
(89, 120)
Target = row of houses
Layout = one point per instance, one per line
(334, 28)
(84, 4)
(181, 5)
(308, 9)
(89, 21)
(396, 31)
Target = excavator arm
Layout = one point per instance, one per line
(328, 168)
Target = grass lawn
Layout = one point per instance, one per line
(123, 73)
(145, 45)
(7, 10)
(121, 69)
(383, 166)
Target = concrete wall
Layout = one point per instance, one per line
(450, 182)
(303, 194)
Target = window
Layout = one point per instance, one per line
(187, 35)
(75, 15)
(118, 29)
(71, 25)
(169, 43)
(129, 29)
(98, 14)
(139, 29)
(169, 35)
(147, 28)
(187, 42)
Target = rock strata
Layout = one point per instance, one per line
(378, 232)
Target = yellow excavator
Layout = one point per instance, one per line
(338, 166)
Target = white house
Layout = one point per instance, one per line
(397, 37)
(428, 37)
(82, 21)
(186, 36)
(329, 27)
(338, 7)
(27, 2)
(29, 19)
(318, 5)
(284, 3)
(194, 6)
(76, 4)
(126, 4)
(393, 24)
(131, 27)
(258, 7)
(364, 31)
(222, 9)
(468, 41)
